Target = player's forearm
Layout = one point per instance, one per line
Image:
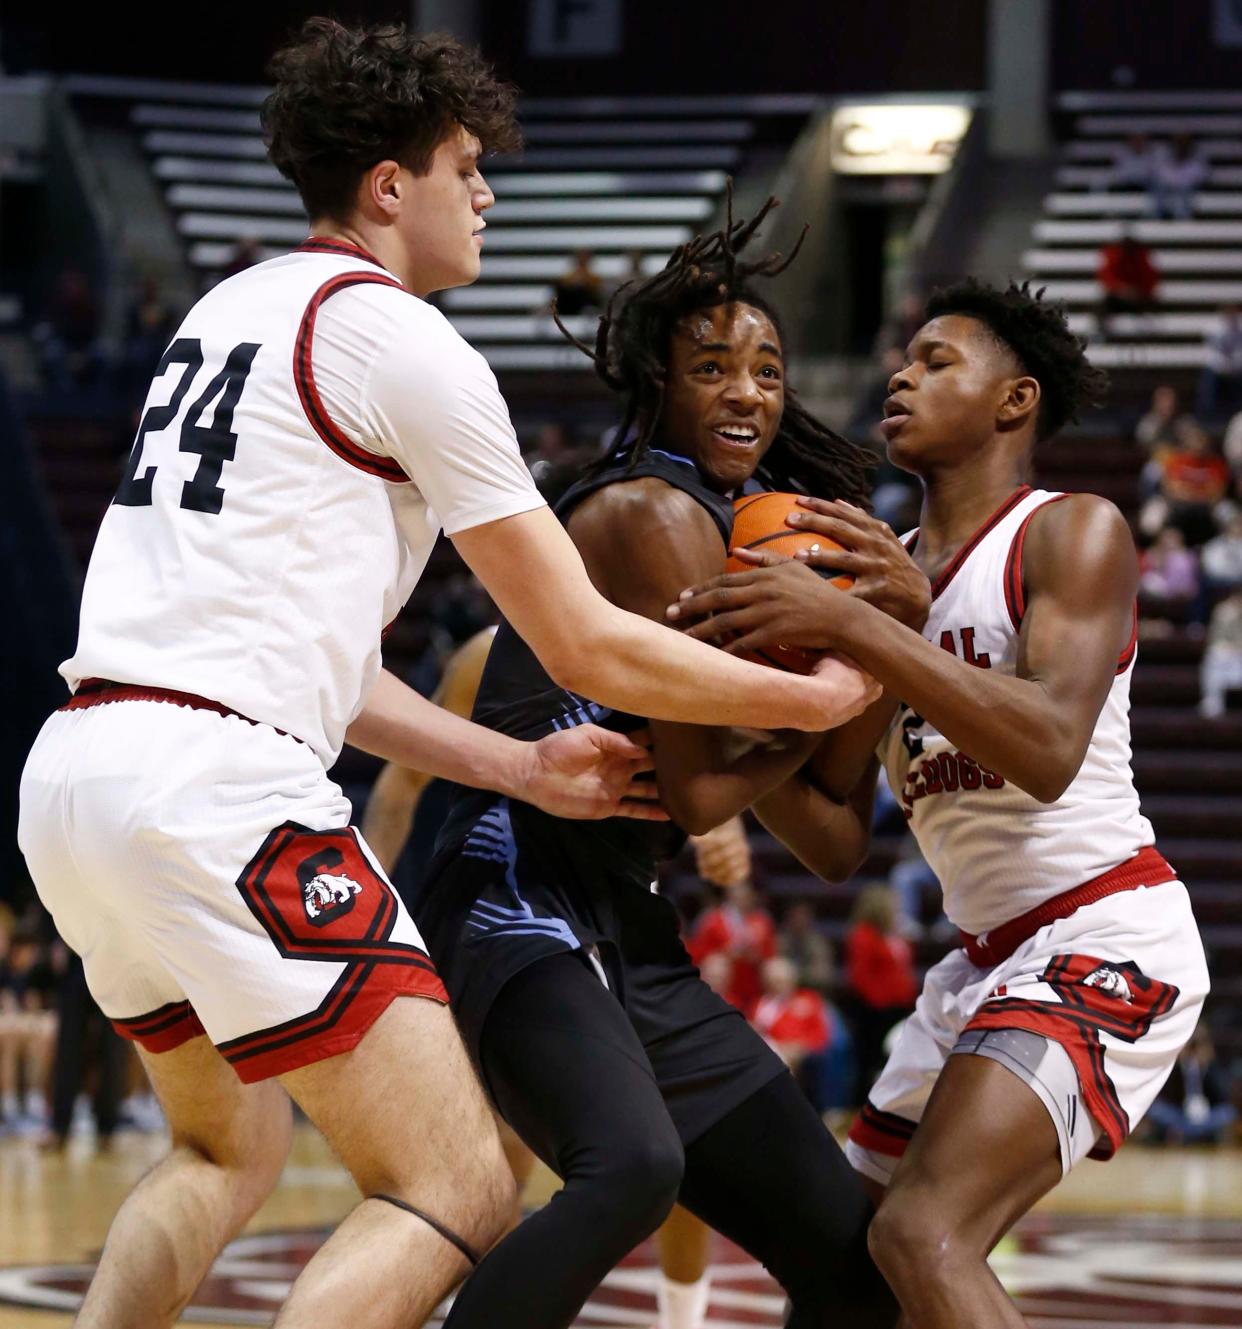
(629, 663)
(403, 727)
(1008, 725)
(829, 839)
(699, 800)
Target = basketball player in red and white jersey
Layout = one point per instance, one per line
(1045, 1037)
(311, 429)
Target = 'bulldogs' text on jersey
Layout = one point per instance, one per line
(997, 851)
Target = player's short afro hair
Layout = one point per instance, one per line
(1034, 329)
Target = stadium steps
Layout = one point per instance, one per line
(1200, 259)
(617, 176)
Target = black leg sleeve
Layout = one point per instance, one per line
(570, 1076)
(771, 1178)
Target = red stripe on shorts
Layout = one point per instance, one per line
(163, 1029)
(359, 998)
(881, 1132)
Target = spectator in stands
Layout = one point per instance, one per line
(149, 327)
(1169, 582)
(880, 975)
(1221, 559)
(246, 253)
(633, 271)
(1195, 1106)
(27, 1028)
(557, 459)
(806, 947)
(1221, 669)
(68, 336)
(792, 1019)
(1220, 382)
(1129, 278)
(1157, 428)
(580, 288)
(1180, 173)
(1193, 478)
(898, 331)
(743, 929)
(1135, 165)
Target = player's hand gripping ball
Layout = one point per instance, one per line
(759, 523)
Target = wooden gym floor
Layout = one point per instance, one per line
(1152, 1238)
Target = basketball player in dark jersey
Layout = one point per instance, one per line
(595, 1036)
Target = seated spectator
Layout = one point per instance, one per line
(68, 336)
(1195, 1106)
(246, 253)
(1221, 559)
(880, 976)
(580, 288)
(743, 929)
(898, 331)
(1180, 173)
(792, 1020)
(1129, 278)
(1193, 479)
(1158, 427)
(1135, 165)
(1220, 382)
(27, 1029)
(1221, 669)
(1168, 570)
(149, 328)
(806, 947)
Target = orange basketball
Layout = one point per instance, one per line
(759, 523)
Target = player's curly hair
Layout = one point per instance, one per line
(1035, 330)
(634, 337)
(346, 98)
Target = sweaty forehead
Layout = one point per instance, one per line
(735, 326)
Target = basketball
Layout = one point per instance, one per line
(759, 523)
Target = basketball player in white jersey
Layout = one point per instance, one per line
(1045, 1037)
(312, 427)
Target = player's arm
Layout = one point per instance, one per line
(397, 790)
(828, 836)
(585, 772)
(1080, 576)
(640, 540)
(533, 571)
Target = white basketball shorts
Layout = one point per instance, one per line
(204, 868)
(1091, 1011)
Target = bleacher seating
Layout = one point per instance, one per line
(1200, 259)
(615, 176)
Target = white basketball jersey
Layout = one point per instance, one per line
(309, 431)
(997, 851)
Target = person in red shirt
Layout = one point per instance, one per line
(793, 1019)
(742, 928)
(1194, 477)
(880, 976)
(1129, 279)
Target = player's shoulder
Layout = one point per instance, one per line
(643, 508)
(1076, 532)
(404, 323)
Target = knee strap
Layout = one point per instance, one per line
(447, 1233)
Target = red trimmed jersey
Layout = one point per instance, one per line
(997, 851)
(310, 430)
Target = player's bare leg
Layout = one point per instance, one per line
(229, 1144)
(984, 1152)
(683, 1242)
(407, 1117)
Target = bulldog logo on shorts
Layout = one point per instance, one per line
(325, 895)
(1110, 981)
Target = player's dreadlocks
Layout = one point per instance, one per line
(1034, 329)
(632, 348)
